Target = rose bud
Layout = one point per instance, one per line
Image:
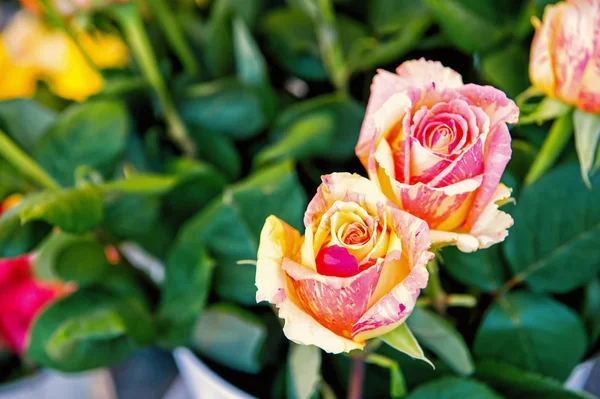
(565, 53)
(355, 274)
(437, 148)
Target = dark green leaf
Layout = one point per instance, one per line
(533, 332)
(227, 107)
(397, 382)
(304, 371)
(506, 69)
(185, 291)
(592, 309)
(389, 16)
(439, 336)
(250, 63)
(453, 388)
(330, 124)
(11, 181)
(25, 121)
(231, 336)
(230, 227)
(468, 29)
(73, 210)
(515, 383)
(556, 251)
(131, 215)
(523, 155)
(482, 269)
(404, 341)
(92, 134)
(91, 328)
(219, 151)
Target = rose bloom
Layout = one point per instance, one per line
(22, 297)
(437, 148)
(31, 51)
(355, 274)
(565, 53)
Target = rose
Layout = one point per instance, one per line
(565, 53)
(437, 149)
(22, 297)
(69, 7)
(356, 273)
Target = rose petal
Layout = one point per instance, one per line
(492, 101)
(424, 73)
(468, 165)
(336, 261)
(589, 95)
(541, 69)
(279, 240)
(497, 155)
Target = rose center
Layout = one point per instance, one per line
(355, 234)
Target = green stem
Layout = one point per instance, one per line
(53, 14)
(558, 137)
(172, 30)
(23, 163)
(434, 288)
(131, 22)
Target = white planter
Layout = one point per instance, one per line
(201, 382)
(52, 385)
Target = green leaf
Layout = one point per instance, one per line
(482, 269)
(549, 108)
(441, 338)
(507, 69)
(523, 155)
(141, 184)
(390, 16)
(25, 121)
(232, 337)
(468, 30)
(93, 327)
(219, 151)
(250, 64)
(75, 210)
(397, 383)
(516, 383)
(84, 263)
(230, 227)
(292, 41)
(131, 215)
(303, 371)
(185, 291)
(328, 126)
(587, 134)
(227, 107)
(92, 133)
(556, 251)
(533, 332)
(592, 309)
(11, 180)
(404, 341)
(453, 388)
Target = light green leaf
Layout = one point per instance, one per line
(556, 251)
(390, 16)
(453, 388)
(147, 184)
(232, 337)
(441, 338)
(73, 210)
(482, 269)
(92, 133)
(403, 340)
(549, 108)
(516, 383)
(250, 64)
(587, 134)
(397, 383)
(533, 332)
(304, 371)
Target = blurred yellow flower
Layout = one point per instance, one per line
(30, 51)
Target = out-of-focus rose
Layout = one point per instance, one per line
(33, 51)
(22, 297)
(565, 53)
(69, 7)
(355, 274)
(9, 202)
(437, 148)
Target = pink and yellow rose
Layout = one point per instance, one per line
(565, 53)
(22, 297)
(437, 148)
(355, 274)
